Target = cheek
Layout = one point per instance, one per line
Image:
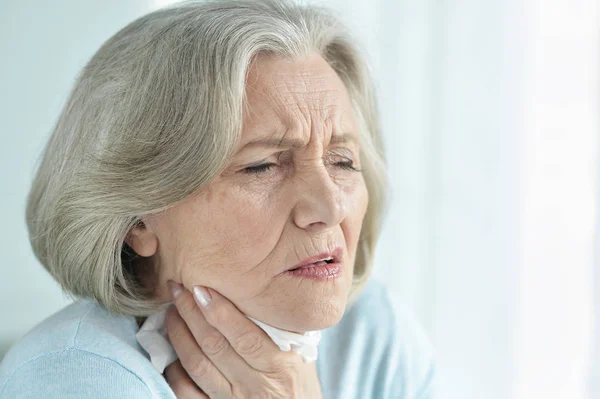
(224, 232)
(357, 203)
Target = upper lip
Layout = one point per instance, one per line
(335, 256)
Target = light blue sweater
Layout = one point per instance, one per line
(83, 351)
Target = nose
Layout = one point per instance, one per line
(320, 202)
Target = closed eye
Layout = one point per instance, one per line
(348, 165)
(264, 167)
(257, 169)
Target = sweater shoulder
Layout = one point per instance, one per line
(86, 335)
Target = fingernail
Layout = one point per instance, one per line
(201, 295)
(175, 288)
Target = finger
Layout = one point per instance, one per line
(212, 343)
(246, 338)
(181, 383)
(197, 365)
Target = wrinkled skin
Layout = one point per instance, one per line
(240, 232)
(293, 190)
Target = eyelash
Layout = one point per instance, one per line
(258, 169)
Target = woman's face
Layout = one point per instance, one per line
(288, 194)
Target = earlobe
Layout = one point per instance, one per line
(142, 240)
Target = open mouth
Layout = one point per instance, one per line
(322, 259)
(315, 264)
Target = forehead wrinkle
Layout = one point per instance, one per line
(311, 112)
(305, 102)
(311, 84)
(284, 142)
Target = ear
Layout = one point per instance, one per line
(142, 240)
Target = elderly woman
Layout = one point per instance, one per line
(224, 157)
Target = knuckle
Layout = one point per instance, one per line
(214, 344)
(218, 315)
(174, 330)
(186, 306)
(175, 333)
(281, 362)
(249, 343)
(280, 372)
(199, 367)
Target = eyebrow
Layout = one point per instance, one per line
(296, 143)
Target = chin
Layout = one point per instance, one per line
(314, 308)
(308, 306)
(314, 315)
(313, 324)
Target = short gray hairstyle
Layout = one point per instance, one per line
(155, 115)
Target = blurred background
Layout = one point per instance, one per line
(490, 111)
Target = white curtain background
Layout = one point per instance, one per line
(490, 114)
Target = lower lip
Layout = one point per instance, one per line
(327, 271)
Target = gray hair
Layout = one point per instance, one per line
(155, 115)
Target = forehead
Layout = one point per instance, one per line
(295, 94)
